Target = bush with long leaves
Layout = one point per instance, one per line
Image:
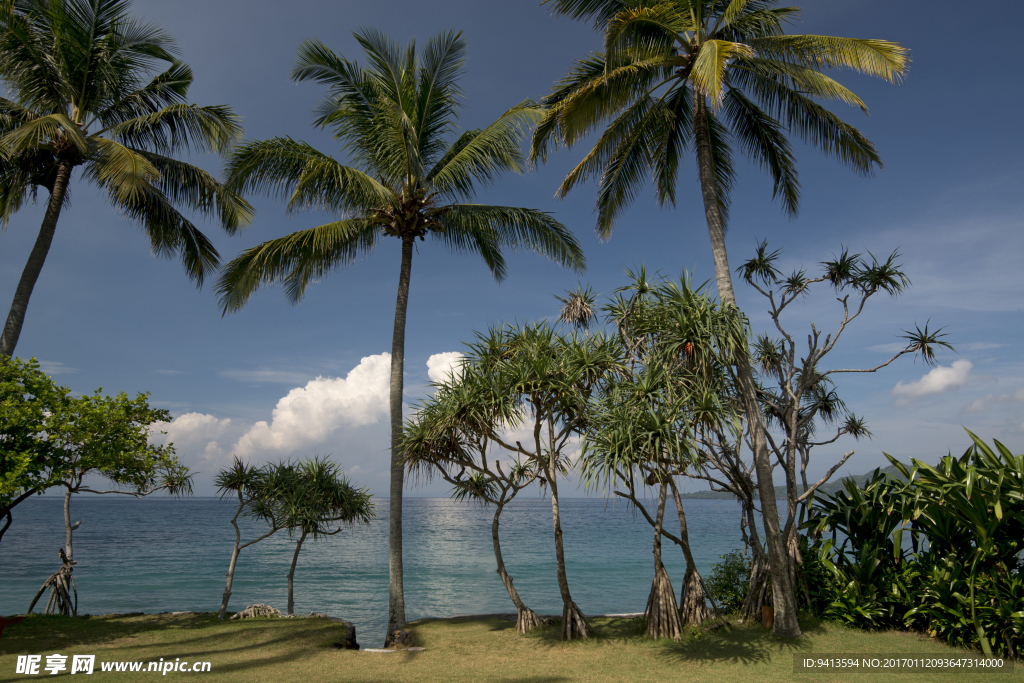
(964, 581)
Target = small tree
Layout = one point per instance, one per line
(256, 489)
(106, 437)
(797, 396)
(316, 504)
(27, 458)
(449, 437)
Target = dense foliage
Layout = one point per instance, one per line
(728, 581)
(960, 579)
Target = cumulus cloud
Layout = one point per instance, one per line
(308, 414)
(194, 436)
(442, 366)
(937, 381)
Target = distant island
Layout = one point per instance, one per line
(780, 491)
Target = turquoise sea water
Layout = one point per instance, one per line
(162, 554)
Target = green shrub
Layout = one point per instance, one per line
(967, 587)
(729, 580)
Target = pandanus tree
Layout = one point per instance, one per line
(703, 76)
(675, 344)
(317, 505)
(86, 90)
(449, 436)
(408, 180)
(260, 492)
(545, 383)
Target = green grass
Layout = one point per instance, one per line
(299, 650)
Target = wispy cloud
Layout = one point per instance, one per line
(170, 372)
(53, 367)
(264, 376)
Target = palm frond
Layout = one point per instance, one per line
(306, 178)
(881, 58)
(512, 228)
(480, 158)
(120, 169)
(180, 127)
(294, 260)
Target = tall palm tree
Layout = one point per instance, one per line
(679, 76)
(86, 93)
(407, 181)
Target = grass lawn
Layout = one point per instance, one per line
(299, 650)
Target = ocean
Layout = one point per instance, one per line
(165, 554)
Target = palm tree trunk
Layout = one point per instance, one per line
(574, 623)
(396, 592)
(291, 574)
(786, 624)
(662, 613)
(527, 620)
(16, 316)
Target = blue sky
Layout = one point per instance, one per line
(107, 313)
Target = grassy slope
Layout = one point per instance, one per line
(488, 650)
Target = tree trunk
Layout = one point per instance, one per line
(662, 613)
(786, 624)
(693, 606)
(7, 524)
(231, 566)
(36, 258)
(68, 531)
(291, 574)
(574, 623)
(758, 593)
(396, 592)
(527, 620)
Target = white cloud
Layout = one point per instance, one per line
(194, 436)
(937, 380)
(54, 367)
(441, 366)
(308, 414)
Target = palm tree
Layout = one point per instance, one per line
(82, 77)
(680, 76)
(407, 181)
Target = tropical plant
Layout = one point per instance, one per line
(85, 92)
(964, 580)
(449, 437)
(979, 498)
(408, 181)
(728, 580)
(318, 503)
(105, 436)
(701, 76)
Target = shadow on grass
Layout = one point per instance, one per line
(737, 644)
(170, 634)
(733, 643)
